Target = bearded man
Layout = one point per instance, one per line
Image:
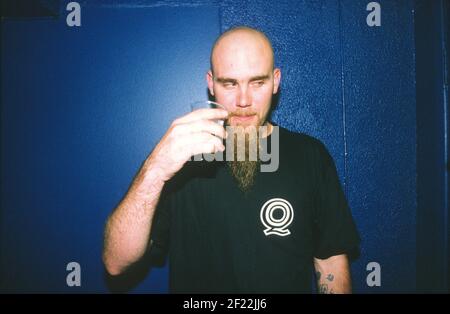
(227, 226)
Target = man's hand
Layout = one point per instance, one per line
(333, 275)
(128, 228)
(192, 134)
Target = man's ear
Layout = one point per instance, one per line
(276, 79)
(210, 80)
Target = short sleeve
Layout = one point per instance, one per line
(335, 231)
(160, 232)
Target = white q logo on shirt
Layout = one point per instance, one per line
(277, 225)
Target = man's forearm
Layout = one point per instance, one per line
(333, 275)
(128, 228)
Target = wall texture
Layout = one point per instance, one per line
(82, 107)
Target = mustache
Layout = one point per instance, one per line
(242, 113)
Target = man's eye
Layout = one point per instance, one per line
(229, 84)
(258, 83)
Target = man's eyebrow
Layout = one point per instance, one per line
(259, 78)
(225, 80)
(252, 79)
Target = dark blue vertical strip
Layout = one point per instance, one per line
(341, 53)
(1, 151)
(445, 25)
(448, 136)
(432, 181)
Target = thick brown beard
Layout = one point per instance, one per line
(244, 172)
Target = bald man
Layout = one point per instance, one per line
(226, 226)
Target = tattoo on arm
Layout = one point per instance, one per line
(323, 287)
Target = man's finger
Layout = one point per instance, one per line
(206, 114)
(206, 126)
(208, 146)
(197, 143)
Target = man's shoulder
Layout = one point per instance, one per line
(301, 139)
(301, 146)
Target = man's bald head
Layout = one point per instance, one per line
(238, 39)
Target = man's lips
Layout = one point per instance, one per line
(243, 118)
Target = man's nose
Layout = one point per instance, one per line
(244, 98)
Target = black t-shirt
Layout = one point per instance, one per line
(221, 240)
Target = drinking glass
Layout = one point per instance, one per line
(208, 104)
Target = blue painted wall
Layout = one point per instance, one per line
(433, 221)
(379, 93)
(82, 108)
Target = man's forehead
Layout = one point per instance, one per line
(242, 72)
(242, 57)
